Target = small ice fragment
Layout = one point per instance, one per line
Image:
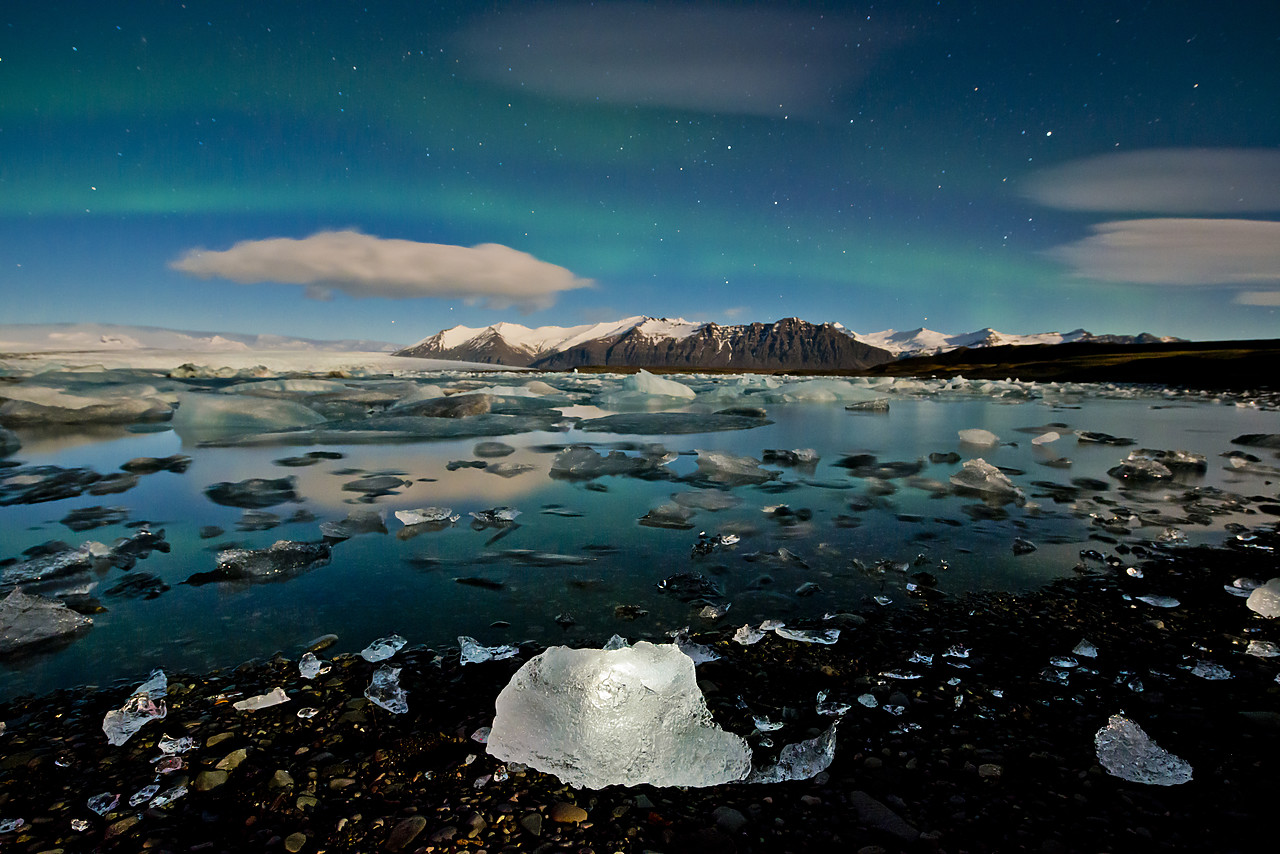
(1171, 535)
(957, 651)
(979, 437)
(1133, 572)
(1046, 438)
(1159, 601)
(384, 690)
(169, 796)
(79, 825)
(144, 794)
(919, 657)
(900, 674)
(383, 648)
(1066, 661)
(822, 636)
(616, 642)
(104, 803)
(713, 612)
(1263, 649)
(500, 774)
(764, 724)
(171, 746)
(146, 704)
(747, 635)
(1125, 751)
(868, 700)
(980, 476)
(498, 516)
(800, 761)
(481, 736)
(700, 653)
(309, 666)
(883, 600)
(1084, 649)
(896, 711)
(435, 515)
(830, 707)
(771, 625)
(9, 825)
(1265, 600)
(274, 697)
(1209, 670)
(474, 653)
(168, 764)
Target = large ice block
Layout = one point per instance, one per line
(627, 716)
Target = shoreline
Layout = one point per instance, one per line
(1011, 767)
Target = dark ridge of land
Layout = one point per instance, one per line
(1232, 365)
(1203, 365)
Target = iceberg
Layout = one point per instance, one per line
(641, 386)
(1125, 751)
(628, 716)
(212, 416)
(980, 476)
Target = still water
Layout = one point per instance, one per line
(577, 550)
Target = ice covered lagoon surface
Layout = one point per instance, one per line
(846, 511)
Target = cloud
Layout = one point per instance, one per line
(361, 265)
(1166, 180)
(1177, 252)
(723, 59)
(1267, 298)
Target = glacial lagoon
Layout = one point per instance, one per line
(830, 496)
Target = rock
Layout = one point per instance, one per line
(532, 822)
(282, 779)
(990, 771)
(565, 813)
(232, 760)
(728, 819)
(210, 780)
(405, 832)
(879, 817)
(254, 493)
(294, 841)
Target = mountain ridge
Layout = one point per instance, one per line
(790, 343)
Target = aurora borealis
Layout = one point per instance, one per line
(954, 165)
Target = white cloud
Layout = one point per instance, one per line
(1165, 180)
(361, 265)
(688, 56)
(1178, 252)
(1267, 298)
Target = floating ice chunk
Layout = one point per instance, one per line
(30, 620)
(616, 642)
(800, 761)
(496, 516)
(822, 636)
(642, 384)
(1140, 470)
(1265, 600)
(211, 416)
(631, 716)
(283, 558)
(726, 469)
(384, 690)
(473, 652)
(274, 697)
(980, 476)
(1046, 438)
(748, 636)
(1125, 751)
(428, 515)
(146, 704)
(1159, 601)
(979, 437)
(383, 648)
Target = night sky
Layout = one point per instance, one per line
(384, 170)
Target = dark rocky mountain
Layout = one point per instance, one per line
(788, 344)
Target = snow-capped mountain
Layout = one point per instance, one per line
(662, 342)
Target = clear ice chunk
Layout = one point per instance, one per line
(616, 642)
(173, 746)
(437, 515)
(103, 803)
(631, 716)
(801, 760)
(980, 476)
(1209, 670)
(146, 704)
(1159, 601)
(1265, 600)
(274, 697)
(831, 707)
(309, 667)
(725, 469)
(384, 690)
(1085, 649)
(383, 648)
(473, 652)
(144, 794)
(748, 635)
(822, 636)
(1125, 751)
(1263, 649)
